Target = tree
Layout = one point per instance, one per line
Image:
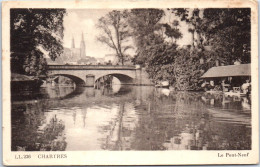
(229, 31)
(114, 32)
(225, 31)
(193, 18)
(153, 50)
(144, 23)
(173, 32)
(160, 60)
(187, 69)
(34, 30)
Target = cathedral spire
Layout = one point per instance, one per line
(82, 48)
(82, 38)
(72, 43)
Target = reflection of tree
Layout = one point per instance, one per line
(114, 138)
(31, 132)
(59, 92)
(109, 91)
(46, 93)
(118, 144)
(51, 137)
(121, 130)
(182, 121)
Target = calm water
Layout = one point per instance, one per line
(129, 118)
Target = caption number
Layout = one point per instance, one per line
(27, 156)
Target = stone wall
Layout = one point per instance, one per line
(142, 77)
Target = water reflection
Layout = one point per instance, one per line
(35, 129)
(130, 118)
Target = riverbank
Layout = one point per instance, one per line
(23, 82)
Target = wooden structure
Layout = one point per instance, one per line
(230, 78)
(228, 71)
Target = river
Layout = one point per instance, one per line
(128, 118)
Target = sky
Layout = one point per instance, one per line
(78, 21)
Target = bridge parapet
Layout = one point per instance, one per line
(90, 67)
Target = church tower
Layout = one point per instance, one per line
(82, 48)
(72, 43)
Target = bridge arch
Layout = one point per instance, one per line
(123, 78)
(77, 80)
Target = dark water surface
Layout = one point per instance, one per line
(128, 118)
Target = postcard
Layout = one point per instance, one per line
(130, 82)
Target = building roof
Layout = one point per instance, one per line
(228, 71)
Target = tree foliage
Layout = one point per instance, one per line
(193, 18)
(144, 23)
(173, 32)
(32, 29)
(229, 31)
(217, 34)
(114, 32)
(159, 62)
(153, 50)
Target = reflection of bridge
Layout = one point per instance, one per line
(86, 75)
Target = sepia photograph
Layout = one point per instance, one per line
(142, 79)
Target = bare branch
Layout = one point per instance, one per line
(106, 41)
(114, 31)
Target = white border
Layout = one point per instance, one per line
(128, 157)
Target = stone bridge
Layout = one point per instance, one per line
(87, 75)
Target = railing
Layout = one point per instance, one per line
(91, 67)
